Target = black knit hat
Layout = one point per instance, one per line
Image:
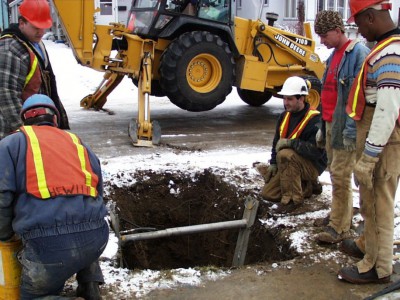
(327, 20)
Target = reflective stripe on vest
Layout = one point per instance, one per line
(299, 128)
(33, 80)
(57, 164)
(356, 101)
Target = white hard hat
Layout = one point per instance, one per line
(294, 86)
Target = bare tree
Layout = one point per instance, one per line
(300, 17)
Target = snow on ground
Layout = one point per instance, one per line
(74, 82)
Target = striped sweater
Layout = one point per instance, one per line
(383, 90)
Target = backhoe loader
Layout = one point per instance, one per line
(193, 53)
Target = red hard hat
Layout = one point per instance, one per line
(357, 6)
(36, 12)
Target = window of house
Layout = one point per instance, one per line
(106, 8)
(336, 5)
(265, 2)
(291, 9)
(320, 5)
(330, 5)
(341, 7)
(239, 4)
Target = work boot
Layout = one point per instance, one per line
(352, 275)
(322, 222)
(316, 187)
(349, 247)
(89, 290)
(288, 208)
(331, 236)
(307, 189)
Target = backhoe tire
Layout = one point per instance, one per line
(254, 98)
(314, 93)
(197, 71)
(156, 89)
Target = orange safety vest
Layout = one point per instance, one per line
(356, 101)
(57, 164)
(299, 128)
(33, 80)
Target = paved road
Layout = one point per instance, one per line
(233, 124)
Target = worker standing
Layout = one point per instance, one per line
(374, 103)
(296, 161)
(25, 67)
(343, 65)
(51, 196)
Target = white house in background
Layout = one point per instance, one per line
(117, 10)
(287, 11)
(112, 11)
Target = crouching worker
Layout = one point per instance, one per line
(51, 196)
(296, 162)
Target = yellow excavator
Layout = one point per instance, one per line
(193, 52)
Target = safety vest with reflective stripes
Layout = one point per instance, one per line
(57, 164)
(299, 128)
(33, 80)
(356, 101)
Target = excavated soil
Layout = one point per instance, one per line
(158, 201)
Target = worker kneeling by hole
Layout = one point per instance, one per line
(51, 197)
(296, 161)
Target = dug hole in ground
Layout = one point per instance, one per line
(181, 183)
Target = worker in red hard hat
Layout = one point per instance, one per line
(25, 67)
(374, 104)
(36, 13)
(358, 6)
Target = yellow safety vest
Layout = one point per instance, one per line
(356, 101)
(33, 80)
(299, 128)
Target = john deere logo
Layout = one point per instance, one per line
(288, 43)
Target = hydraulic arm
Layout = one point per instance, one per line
(92, 46)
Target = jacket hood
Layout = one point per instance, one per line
(14, 30)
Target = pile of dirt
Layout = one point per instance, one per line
(157, 201)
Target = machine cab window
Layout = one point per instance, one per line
(217, 10)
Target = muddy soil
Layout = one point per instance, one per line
(161, 201)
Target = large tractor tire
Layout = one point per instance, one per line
(254, 98)
(197, 71)
(156, 89)
(314, 93)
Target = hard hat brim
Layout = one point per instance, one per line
(351, 19)
(42, 25)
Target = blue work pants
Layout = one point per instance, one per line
(48, 262)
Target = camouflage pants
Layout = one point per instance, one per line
(288, 183)
(377, 204)
(341, 169)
